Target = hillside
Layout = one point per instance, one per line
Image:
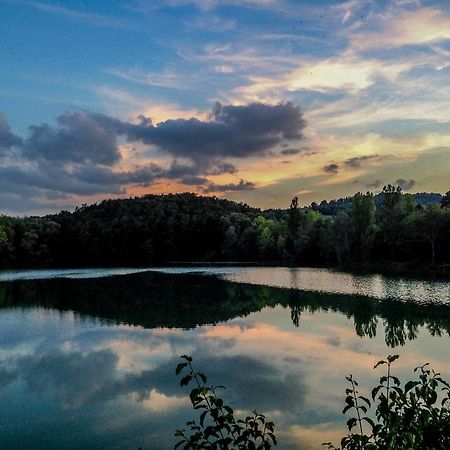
(391, 229)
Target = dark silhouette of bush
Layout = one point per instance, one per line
(409, 417)
(415, 416)
(217, 427)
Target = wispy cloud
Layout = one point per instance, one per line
(86, 17)
(165, 79)
(204, 5)
(397, 28)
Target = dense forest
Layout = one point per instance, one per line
(391, 231)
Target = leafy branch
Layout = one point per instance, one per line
(217, 427)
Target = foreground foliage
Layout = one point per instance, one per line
(415, 416)
(409, 417)
(217, 427)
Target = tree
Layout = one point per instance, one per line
(293, 227)
(392, 196)
(266, 239)
(341, 231)
(3, 236)
(363, 220)
(429, 224)
(294, 218)
(445, 202)
(391, 215)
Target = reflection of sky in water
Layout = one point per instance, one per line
(307, 279)
(71, 382)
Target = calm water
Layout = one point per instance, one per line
(87, 358)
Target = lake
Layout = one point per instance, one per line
(87, 357)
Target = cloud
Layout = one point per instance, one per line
(232, 131)
(164, 79)
(241, 186)
(193, 180)
(349, 74)
(105, 176)
(331, 168)
(376, 184)
(204, 5)
(46, 179)
(52, 372)
(81, 155)
(398, 28)
(356, 162)
(290, 151)
(7, 138)
(406, 185)
(90, 18)
(78, 138)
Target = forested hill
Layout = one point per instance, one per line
(389, 230)
(334, 207)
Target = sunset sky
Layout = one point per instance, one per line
(251, 100)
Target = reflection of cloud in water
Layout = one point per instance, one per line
(159, 403)
(86, 380)
(114, 385)
(74, 379)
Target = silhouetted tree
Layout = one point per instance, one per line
(445, 202)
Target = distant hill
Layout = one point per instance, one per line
(425, 198)
(334, 207)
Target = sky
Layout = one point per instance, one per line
(252, 100)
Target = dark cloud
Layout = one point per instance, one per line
(376, 184)
(178, 171)
(221, 167)
(106, 176)
(80, 154)
(241, 186)
(98, 379)
(231, 131)
(78, 138)
(39, 181)
(331, 168)
(358, 160)
(194, 181)
(55, 373)
(290, 151)
(406, 185)
(7, 138)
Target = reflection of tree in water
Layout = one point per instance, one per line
(397, 333)
(296, 312)
(185, 301)
(401, 320)
(367, 327)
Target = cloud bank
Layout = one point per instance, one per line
(81, 154)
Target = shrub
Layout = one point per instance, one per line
(217, 427)
(415, 416)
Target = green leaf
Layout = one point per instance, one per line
(392, 358)
(202, 376)
(351, 423)
(185, 380)
(379, 363)
(410, 385)
(180, 367)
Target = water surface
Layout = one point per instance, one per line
(88, 362)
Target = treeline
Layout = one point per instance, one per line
(157, 300)
(391, 231)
